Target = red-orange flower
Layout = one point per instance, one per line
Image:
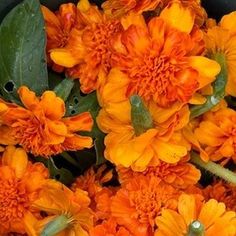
(138, 203)
(162, 59)
(180, 175)
(20, 182)
(222, 192)
(40, 127)
(110, 228)
(59, 27)
(87, 52)
(212, 215)
(217, 134)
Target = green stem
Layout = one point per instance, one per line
(140, 116)
(214, 168)
(64, 88)
(196, 228)
(218, 88)
(70, 159)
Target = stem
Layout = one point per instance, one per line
(70, 159)
(218, 88)
(214, 168)
(140, 116)
(196, 228)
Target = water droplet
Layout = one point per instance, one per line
(214, 100)
(30, 68)
(32, 14)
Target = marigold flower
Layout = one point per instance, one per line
(222, 40)
(162, 59)
(88, 51)
(40, 127)
(180, 175)
(20, 182)
(163, 141)
(222, 192)
(59, 27)
(217, 134)
(58, 201)
(138, 203)
(110, 228)
(212, 215)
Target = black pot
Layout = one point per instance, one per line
(215, 8)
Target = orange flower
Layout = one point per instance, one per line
(179, 175)
(212, 215)
(88, 52)
(222, 40)
(20, 182)
(137, 204)
(161, 59)
(59, 27)
(92, 182)
(217, 134)
(60, 202)
(110, 228)
(222, 192)
(117, 8)
(40, 128)
(163, 141)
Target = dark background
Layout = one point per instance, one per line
(215, 8)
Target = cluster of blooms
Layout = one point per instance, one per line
(150, 62)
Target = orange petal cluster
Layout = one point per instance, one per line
(40, 128)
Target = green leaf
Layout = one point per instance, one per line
(218, 89)
(22, 50)
(78, 103)
(99, 148)
(63, 175)
(63, 89)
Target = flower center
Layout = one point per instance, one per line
(97, 39)
(160, 78)
(13, 201)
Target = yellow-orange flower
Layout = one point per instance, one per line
(137, 204)
(88, 51)
(123, 147)
(179, 175)
(222, 192)
(222, 39)
(40, 127)
(212, 214)
(110, 228)
(20, 182)
(55, 199)
(217, 134)
(116, 8)
(59, 27)
(162, 60)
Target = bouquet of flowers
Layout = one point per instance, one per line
(117, 120)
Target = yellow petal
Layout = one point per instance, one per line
(169, 152)
(178, 17)
(28, 97)
(197, 99)
(63, 57)
(229, 22)
(133, 19)
(83, 5)
(207, 69)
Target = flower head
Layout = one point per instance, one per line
(222, 192)
(217, 134)
(138, 203)
(222, 40)
(212, 215)
(110, 228)
(88, 50)
(162, 59)
(40, 128)
(71, 208)
(20, 182)
(180, 175)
